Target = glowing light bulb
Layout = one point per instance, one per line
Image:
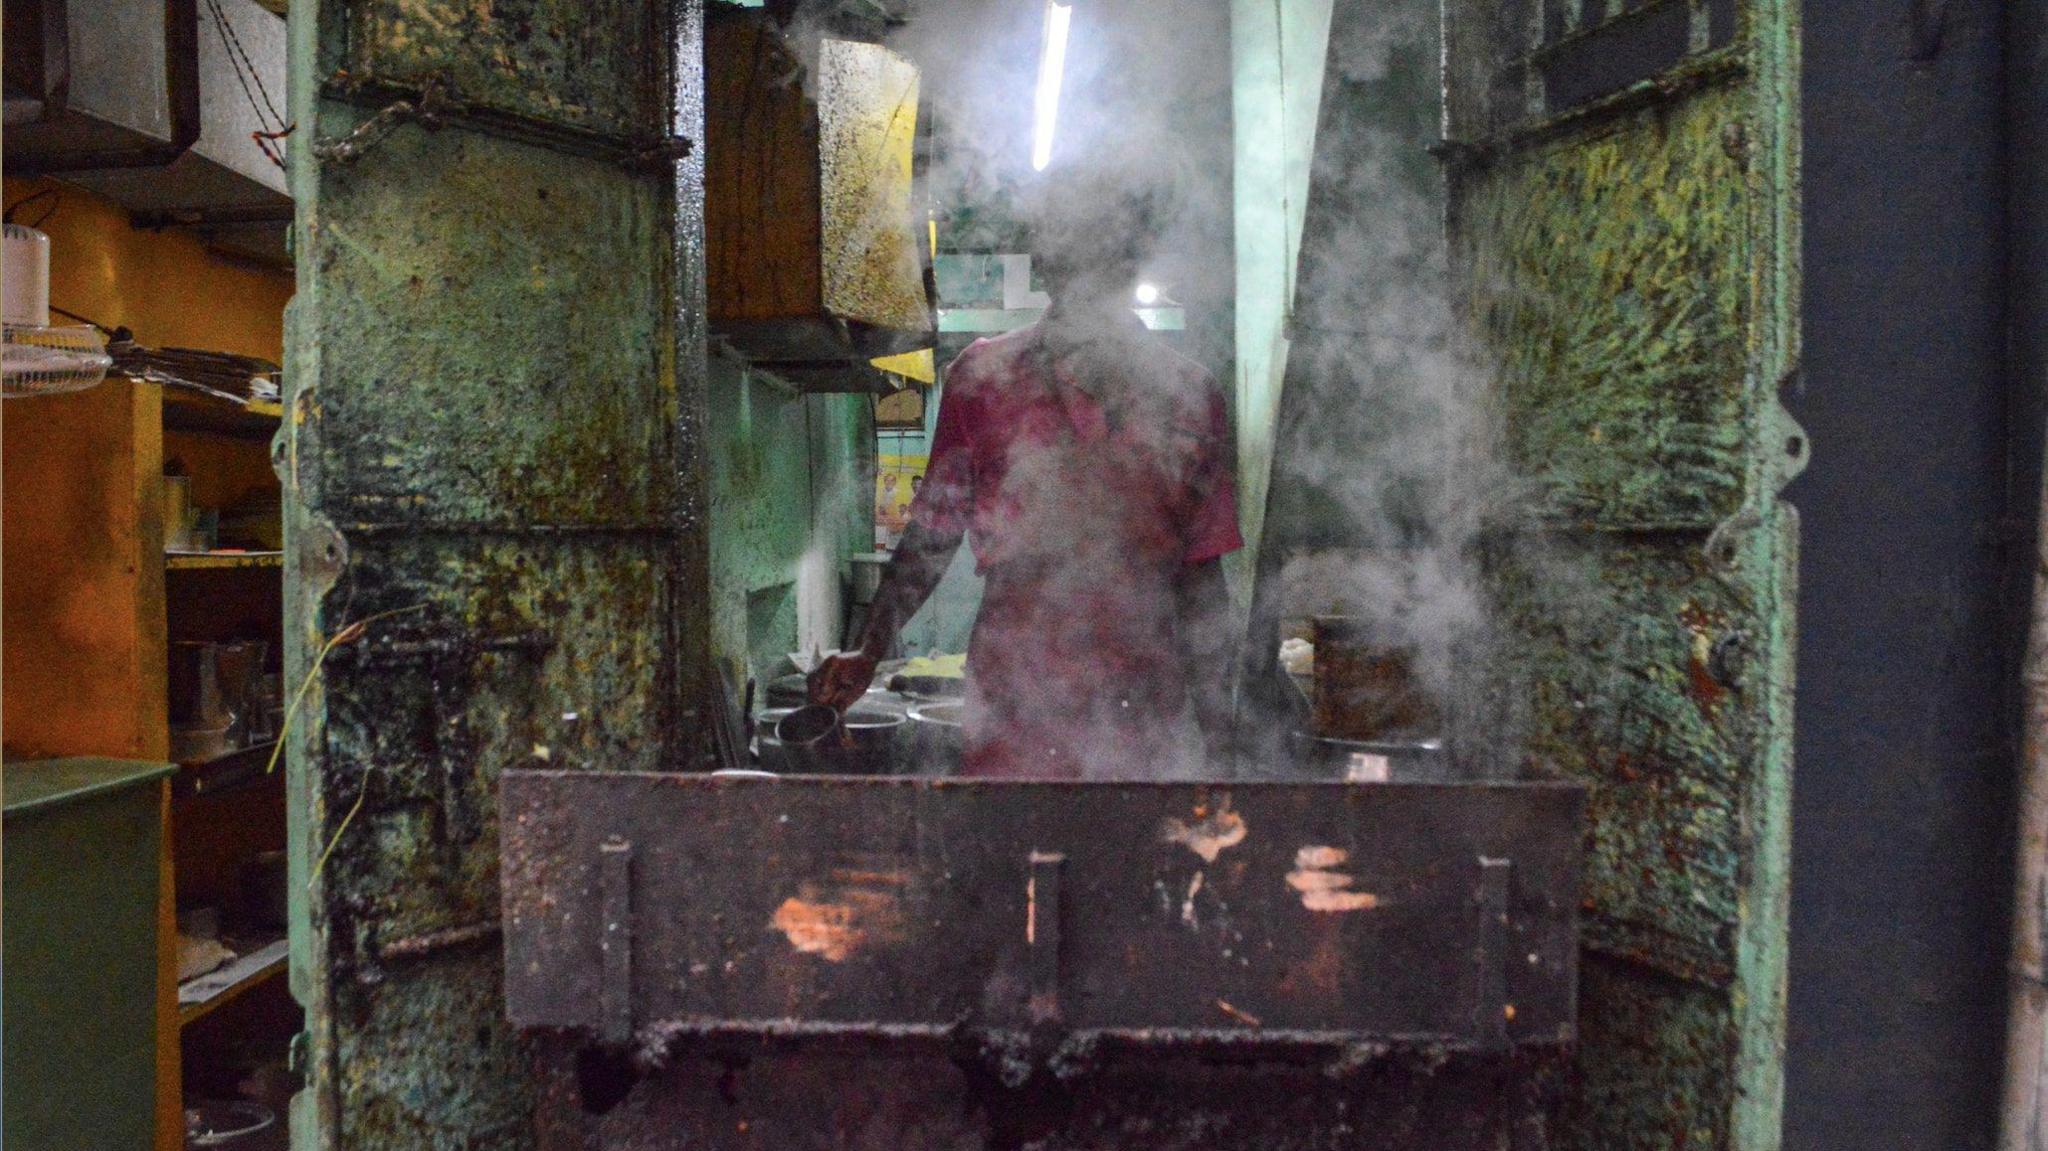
(1052, 64)
(1148, 294)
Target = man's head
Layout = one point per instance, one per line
(1094, 222)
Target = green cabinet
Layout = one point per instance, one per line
(78, 960)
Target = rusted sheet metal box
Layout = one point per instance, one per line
(1040, 916)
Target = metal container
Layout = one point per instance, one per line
(936, 738)
(864, 742)
(1371, 761)
(226, 1123)
(78, 1020)
(1241, 967)
(1365, 688)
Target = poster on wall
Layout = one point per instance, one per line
(897, 479)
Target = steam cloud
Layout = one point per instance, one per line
(1387, 440)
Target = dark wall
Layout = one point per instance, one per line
(1917, 517)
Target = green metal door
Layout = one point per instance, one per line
(1622, 185)
(495, 371)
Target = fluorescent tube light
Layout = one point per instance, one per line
(1052, 63)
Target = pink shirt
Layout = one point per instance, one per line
(1000, 411)
(1081, 517)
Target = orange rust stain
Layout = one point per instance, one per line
(1323, 888)
(1209, 835)
(1306, 881)
(1314, 856)
(1706, 690)
(856, 876)
(1321, 973)
(825, 929)
(1242, 1016)
(835, 921)
(1337, 901)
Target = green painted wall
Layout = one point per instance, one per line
(792, 495)
(1277, 53)
(1631, 275)
(494, 510)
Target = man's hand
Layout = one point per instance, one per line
(842, 679)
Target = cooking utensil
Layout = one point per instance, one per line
(815, 739)
(1372, 761)
(808, 726)
(224, 1123)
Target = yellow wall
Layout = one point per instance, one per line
(82, 604)
(165, 285)
(82, 631)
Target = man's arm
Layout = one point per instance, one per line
(920, 561)
(938, 522)
(1204, 633)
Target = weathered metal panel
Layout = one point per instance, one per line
(1630, 658)
(867, 122)
(589, 64)
(492, 504)
(1251, 915)
(1630, 259)
(875, 1101)
(504, 315)
(1627, 252)
(1661, 1077)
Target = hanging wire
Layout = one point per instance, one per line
(55, 198)
(247, 74)
(86, 320)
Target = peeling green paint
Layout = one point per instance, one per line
(588, 64)
(789, 472)
(489, 456)
(1628, 253)
(1633, 276)
(1613, 650)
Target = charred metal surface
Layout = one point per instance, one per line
(1255, 915)
(494, 545)
(874, 1100)
(590, 64)
(1631, 268)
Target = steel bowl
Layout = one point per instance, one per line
(936, 737)
(814, 740)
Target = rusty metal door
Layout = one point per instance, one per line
(495, 552)
(1622, 183)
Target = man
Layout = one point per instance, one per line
(1086, 464)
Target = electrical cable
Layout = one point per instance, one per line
(245, 72)
(56, 201)
(87, 320)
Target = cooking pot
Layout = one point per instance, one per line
(935, 737)
(863, 742)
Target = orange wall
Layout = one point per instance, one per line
(81, 627)
(165, 285)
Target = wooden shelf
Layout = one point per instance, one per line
(214, 561)
(240, 977)
(189, 411)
